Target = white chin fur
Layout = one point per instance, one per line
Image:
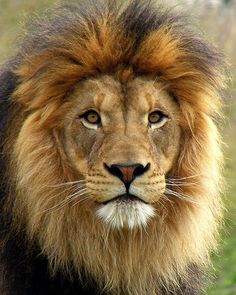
(126, 214)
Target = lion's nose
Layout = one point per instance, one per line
(127, 172)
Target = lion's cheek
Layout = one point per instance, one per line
(166, 147)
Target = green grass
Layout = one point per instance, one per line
(12, 15)
(225, 261)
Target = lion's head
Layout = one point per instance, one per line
(121, 139)
(115, 156)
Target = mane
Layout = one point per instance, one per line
(76, 42)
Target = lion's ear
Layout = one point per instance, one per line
(8, 83)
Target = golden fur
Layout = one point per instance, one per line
(43, 154)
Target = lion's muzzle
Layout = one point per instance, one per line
(127, 172)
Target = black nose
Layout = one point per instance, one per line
(127, 172)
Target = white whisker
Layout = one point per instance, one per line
(63, 204)
(179, 184)
(186, 177)
(182, 196)
(69, 183)
(65, 201)
(73, 189)
(81, 200)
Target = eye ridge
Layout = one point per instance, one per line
(156, 117)
(91, 117)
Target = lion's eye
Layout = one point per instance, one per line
(91, 119)
(157, 119)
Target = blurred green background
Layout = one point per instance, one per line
(217, 19)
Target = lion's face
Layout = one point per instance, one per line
(123, 140)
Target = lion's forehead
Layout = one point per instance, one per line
(108, 95)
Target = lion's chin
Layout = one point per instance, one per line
(126, 214)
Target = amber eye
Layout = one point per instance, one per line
(157, 119)
(91, 117)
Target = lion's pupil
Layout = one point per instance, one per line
(93, 118)
(154, 118)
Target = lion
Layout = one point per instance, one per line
(110, 153)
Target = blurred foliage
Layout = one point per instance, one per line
(218, 19)
(227, 2)
(219, 23)
(13, 14)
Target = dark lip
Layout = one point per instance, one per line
(125, 198)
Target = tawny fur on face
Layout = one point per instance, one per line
(123, 140)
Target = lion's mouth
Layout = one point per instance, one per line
(125, 198)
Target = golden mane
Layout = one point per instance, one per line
(137, 40)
